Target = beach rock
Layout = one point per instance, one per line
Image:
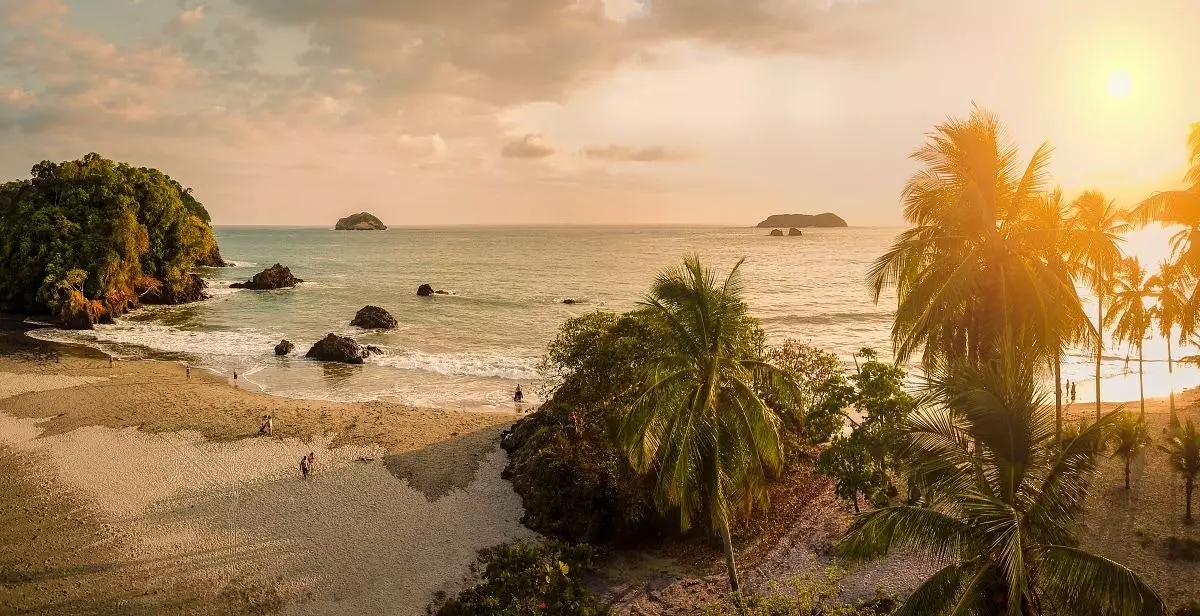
(361, 221)
(441, 292)
(776, 233)
(373, 350)
(374, 317)
(274, 277)
(424, 290)
(338, 348)
(284, 347)
(794, 231)
(570, 302)
(77, 318)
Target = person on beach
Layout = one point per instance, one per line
(1072, 393)
(110, 361)
(270, 424)
(188, 369)
(312, 462)
(304, 468)
(517, 395)
(264, 426)
(235, 378)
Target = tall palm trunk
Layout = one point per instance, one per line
(1058, 412)
(1141, 383)
(1174, 422)
(1099, 346)
(1188, 488)
(730, 565)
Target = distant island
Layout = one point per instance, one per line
(361, 221)
(803, 220)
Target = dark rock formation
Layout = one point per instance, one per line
(570, 302)
(338, 348)
(284, 347)
(373, 350)
(424, 290)
(78, 317)
(274, 277)
(361, 221)
(776, 233)
(374, 317)
(794, 231)
(801, 221)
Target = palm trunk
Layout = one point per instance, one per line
(1141, 384)
(1174, 423)
(1058, 412)
(1099, 346)
(731, 566)
(1191, 485)
(1126, 473)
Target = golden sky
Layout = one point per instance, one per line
(588, 111)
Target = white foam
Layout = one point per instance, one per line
(472, 364)
(245, 342)
(232, 263)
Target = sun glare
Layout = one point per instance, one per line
(1119, 84)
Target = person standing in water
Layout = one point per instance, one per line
(517, 395)
(235, 379)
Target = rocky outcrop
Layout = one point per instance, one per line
(361, 221)
(374, 317)
(284, 347)
(190, 290)
(570, 302)
(340, 349)
(776, 233)
(274, 277)
(801, 221)
(424, 290)
(795, 231)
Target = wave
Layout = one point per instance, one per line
(469, 364)
(232, 263)
(163, 338)
(828, 318)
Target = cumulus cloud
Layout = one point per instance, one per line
(191, 16)
(529, 146)
(623, 153)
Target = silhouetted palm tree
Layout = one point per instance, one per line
(1128, 437)
(1171, 311)
(1183, 449)
(1180, 208)
(1103, 224)
(1129, 316)
(1002, 501)
(699, 422)
(965, 273)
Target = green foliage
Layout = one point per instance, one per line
(528, 578)
(1128, 437)
(1003, 500)
(866, 460)
(1183, 452)
(818, 376)
(107, 230)
(1183, 548)
(1191, 608)
(816, 594)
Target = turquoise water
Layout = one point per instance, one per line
(470, 348)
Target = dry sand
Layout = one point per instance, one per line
(177, 491)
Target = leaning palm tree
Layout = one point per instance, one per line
(1103, 225)
(1180, 208)
(699, 422)
(963, 273)
(1183, 449)
(1128, 437)
(1002, 502)
(1129, 316)
(1172, 311)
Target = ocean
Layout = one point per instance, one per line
(468, 349)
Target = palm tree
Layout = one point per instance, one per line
(699, 422)
(1049, 226)
(1102, 224)
(1180, 208)
(1172, 311)
(1183, 448)
(965, 273)
(1002, 501)
(1128, 315)
(1128, 437)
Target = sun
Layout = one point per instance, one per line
(1119, 84)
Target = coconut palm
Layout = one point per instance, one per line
(699, 422)
(1180, 208)
(1001, 505)
(963, 273)
(1102, 224)
(1172, 311)
(1128, 438)
(1183, 449)
(1128, 316)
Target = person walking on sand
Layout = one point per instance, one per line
(235, 379)
(110, 361)
(1072, 393)
(270, 424)
(304, 468)
(312, 462)
(188, 369)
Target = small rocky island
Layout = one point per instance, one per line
(275, 277)
(801, 221)
(361, 221)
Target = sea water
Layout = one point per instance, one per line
(506, 286)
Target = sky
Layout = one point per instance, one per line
(430, 112)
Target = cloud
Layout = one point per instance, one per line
(529, 146)
(191, 16)
(21, 13)
(624, 153)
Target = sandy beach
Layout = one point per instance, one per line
(136, 489)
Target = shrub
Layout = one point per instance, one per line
(816, 594)
(1182, 548)
(1191, 608)
(527, 578)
